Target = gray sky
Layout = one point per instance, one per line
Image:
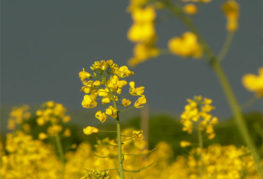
(45, 44)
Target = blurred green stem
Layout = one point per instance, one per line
(200, 140)
(226, 46)
(120, 155)
(214, 62)
(250, 102)
(119, 147)
(60, 153)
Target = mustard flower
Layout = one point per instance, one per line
(190, 9)
(142, 33)
(185, 143)
(198, 111)
(105, 86)
(126, 102)
(53, 115)
(186, 46)
(90, 130)
(254, 83)
(17, 116)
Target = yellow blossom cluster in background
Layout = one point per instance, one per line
(41, 162)
(106, 85)
(53, 115)
(142, 32)
(28, 158)
(186, 46)
(254, 83)
(197, 111)
(17, 116)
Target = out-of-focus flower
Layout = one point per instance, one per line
(198, 111)
(254, 83)
(231, 11)
(142, 32)
(190, 9)
(186, 46)
(185, 143)
(90, 130)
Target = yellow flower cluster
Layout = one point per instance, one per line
(142, 32)
(53, 115)
(231, 11)
(28, 158)
(254, 83)
(186, 46)
(198, 111)
(106, 84)
(222, 162)
(17, 116)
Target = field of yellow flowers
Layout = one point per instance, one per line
(42, 143)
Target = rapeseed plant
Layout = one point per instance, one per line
(105, 85)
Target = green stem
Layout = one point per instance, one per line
(249, 102)
(120, 156)
(212, 59)
(200, 140)
(60, 153)
(237, 113)
(226, 46)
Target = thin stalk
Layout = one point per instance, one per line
(60, 153)
(119, 148)
(237, 113)
(226, 46)
(200, 141)
(234, 106)
(120, 155)
(250, 102)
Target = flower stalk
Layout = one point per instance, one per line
(200, 141)
(215, 64)
(60, 153)
(120, 156)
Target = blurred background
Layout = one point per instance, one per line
(45, 44)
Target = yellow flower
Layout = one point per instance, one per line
(254, 83)
(67, 133)
(89, 101)
(185, 143)
(101, 116)
(106, 85)
(90, 130)
(42, 136)
(140, 101)
(111, 111)
(124, 71)
(54, 129)
(198, 111)
(186, 46)
(66, 119)
(231, 11)
(190, 9)
(135, 91)
(142, 32)
(84, 75)
(144, 15)
(126, 102)
(142, 52)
